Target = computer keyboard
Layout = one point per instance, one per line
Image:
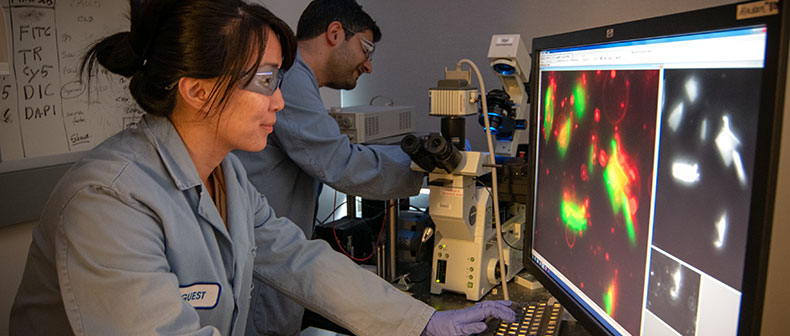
(532, 318)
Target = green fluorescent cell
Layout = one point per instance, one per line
(616, 179)
(574, 215)
(629, 222)
(591, 161)
(564, 137)
(548, 118)
(579, 100)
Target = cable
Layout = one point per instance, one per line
(331, 214)
(378, 239)
(491, 158)
(488, 189)
(336, 208)
(392, 102)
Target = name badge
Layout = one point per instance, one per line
(201, 295)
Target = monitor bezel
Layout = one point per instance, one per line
(766, 156)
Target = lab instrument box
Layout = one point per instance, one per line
(366, 123)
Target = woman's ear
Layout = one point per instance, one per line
(195, 92)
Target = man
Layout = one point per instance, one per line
(335, 47)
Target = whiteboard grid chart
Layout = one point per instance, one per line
(46, 111)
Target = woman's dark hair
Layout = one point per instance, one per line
(170, 39)
(320, 13)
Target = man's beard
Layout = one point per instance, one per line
(342, 71)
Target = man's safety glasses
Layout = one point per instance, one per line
(368, 47)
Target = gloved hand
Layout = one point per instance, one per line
(468, 320)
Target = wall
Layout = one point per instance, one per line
(421, 38)
(289, 11)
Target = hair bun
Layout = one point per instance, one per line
(117, 54)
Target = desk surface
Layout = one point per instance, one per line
(517, 293)
(449, 300)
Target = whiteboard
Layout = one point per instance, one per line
(47, 115)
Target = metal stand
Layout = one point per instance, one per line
(387, 252)
(351, 206)
(392, 239)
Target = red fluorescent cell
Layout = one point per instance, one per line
(613, 74)
(602, 158)
(607, 256)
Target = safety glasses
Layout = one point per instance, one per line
(265, 81)
(368, 47)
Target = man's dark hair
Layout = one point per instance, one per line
(320, 13)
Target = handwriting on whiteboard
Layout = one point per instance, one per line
(44, 107)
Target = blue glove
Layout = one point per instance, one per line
(468, 320)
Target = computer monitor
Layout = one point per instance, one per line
(652, 160)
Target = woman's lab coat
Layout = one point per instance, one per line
(130, 242)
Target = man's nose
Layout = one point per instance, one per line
(368, 66)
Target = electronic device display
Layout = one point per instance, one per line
(652, 151)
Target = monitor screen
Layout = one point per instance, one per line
(643, 155)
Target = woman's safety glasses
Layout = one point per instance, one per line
(265, 81)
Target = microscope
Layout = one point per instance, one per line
(507, 108)
(465, 257)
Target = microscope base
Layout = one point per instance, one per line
(469, 268)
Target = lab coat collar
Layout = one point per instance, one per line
(171, 149)
(300, 60)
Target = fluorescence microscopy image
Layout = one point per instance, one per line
(673, 293)
(706, 158)
(595, 160)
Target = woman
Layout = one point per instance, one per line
(156, 230)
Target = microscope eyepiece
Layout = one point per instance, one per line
(446, 155)
(413, 147)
